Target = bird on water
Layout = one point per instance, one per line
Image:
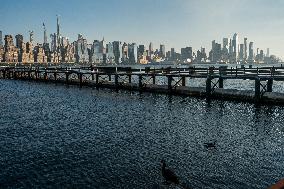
(168, 174)
(210, 144)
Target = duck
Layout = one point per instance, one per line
(168, 174)
(210, 144)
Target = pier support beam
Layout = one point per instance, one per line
(116, 80)
(97, 80)
(67, 78)
(221, 82)
(269, 85)
(170, 79)
(208, 86)
(183, 80)
(257, 89)
(154, 79)
(129, 78)
(140, 85)
(80, 75)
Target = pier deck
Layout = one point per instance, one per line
(164, 80)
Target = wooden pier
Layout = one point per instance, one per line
(164, 80)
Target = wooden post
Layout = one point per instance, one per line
(116, 80)
(269, 85)
(80, 75)
(55, 76)
(67, 77)
(170, 78)
(129, 78)
(45, 76)
(221, 82)
(183, 80)
(97, 80)
(109, 77)
(154, 79)
(257, 89)
(140, 82)
(208, 86)
(93, 76)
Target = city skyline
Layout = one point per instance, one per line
(176, 24)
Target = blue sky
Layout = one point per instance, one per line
(175, 23)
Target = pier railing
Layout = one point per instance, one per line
(146, 79)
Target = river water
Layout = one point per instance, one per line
(55, 136)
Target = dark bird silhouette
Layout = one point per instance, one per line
(210, 144)
(168, 174)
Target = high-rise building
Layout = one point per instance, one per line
(81, 50)
(173, 54)
(132, 53)
(110, 58)
(235, 47)
(186, 54)
(151, 49)
(117, 51)
(44, 34)
(19, 41)
(11, 52)
(58, 31)
(241, 54)
(162, 51)
(251, 56)
(1, 39)
(53, 42)
(245, 48)
(267, 52)
(31, 36)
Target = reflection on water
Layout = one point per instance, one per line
(53, 136)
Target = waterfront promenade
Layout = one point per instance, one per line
(167, 80)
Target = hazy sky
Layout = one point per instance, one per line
(175, 23)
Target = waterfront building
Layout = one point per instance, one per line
(117, 50)
(162, 51)
(44, 34)
(225, 50)
(81, 50)
(19, 40)
(57, 32)
(97, 55)
(39, 55)
(151, 49)
(1, 39)
(241, 53)
(110, 58)
(186, 54)
(1, 53)
(245, 49)
(267, 52)
(125, 55)
(235, 43)
(132, 52)
(11, 52)
(173, 54)
(31, 33)
(251, 53)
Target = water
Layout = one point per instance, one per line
(54, 136)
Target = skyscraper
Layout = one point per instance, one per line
(132, 53)
(1, 39)
(151, 48)
(58, 31)
(245, 48)
(235, 47)
(267, 52)
(44, 34)
(162, 51)
(251, 56)
(241, 54)
(19, 41)
(31, 36)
